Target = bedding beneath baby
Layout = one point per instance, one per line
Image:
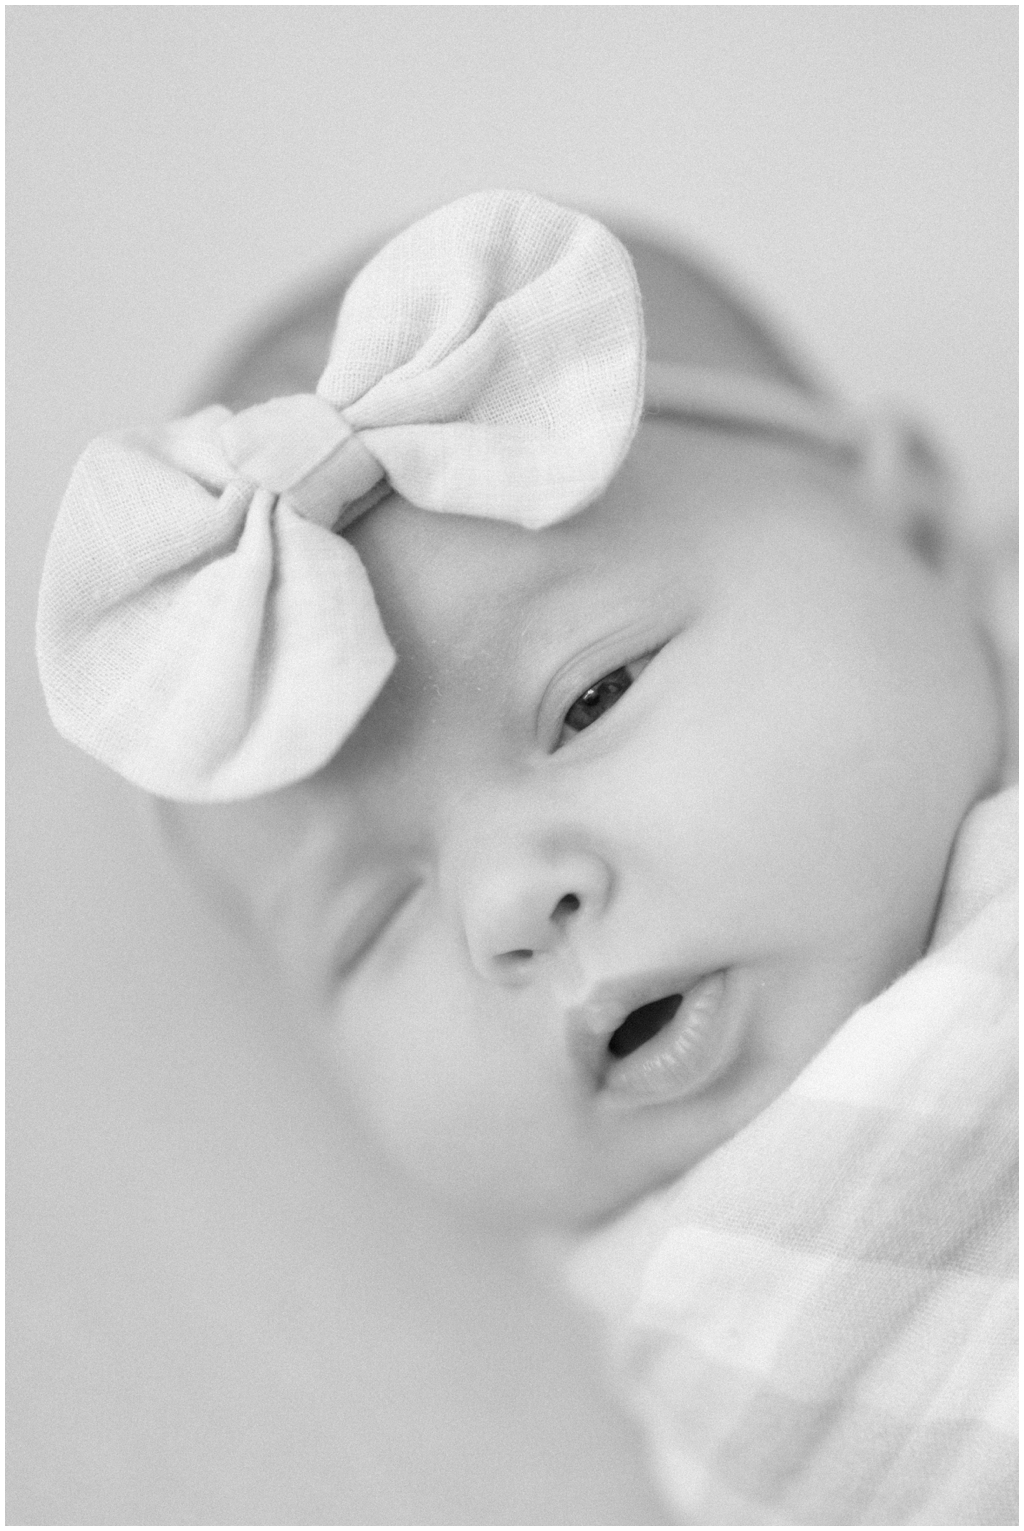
(817, 1325)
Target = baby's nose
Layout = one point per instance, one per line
(518, 914)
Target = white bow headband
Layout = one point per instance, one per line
(205, 631)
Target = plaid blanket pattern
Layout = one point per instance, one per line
(817, 1325)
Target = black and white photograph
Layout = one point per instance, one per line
(512, 718)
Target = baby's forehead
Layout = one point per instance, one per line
(444, 579)
(448, 583)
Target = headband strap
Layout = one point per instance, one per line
(749, 403)
(899, 476)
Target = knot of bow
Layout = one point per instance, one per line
(204, 628)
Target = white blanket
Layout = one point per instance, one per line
(817, 1325)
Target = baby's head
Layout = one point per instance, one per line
(654, 797)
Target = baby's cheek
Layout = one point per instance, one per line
(760, 816)
(413, 1057)
(394, 1044)
(458, 1084)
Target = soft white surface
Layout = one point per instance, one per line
(219, 1311)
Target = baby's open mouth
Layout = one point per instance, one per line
(666, 1048)
(642, 1024)
(673, 1046)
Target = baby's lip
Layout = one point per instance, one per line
(593, 1017)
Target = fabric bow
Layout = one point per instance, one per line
(203, 628)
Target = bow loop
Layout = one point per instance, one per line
(513, 384)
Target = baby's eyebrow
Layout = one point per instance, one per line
(534, 611)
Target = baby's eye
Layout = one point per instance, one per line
(602, 695)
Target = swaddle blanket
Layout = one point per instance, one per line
(817, 1325)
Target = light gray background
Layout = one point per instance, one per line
(222, 1309)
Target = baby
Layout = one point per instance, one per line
(599, 738)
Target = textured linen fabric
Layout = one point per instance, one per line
(817, 1325)
(202, 629)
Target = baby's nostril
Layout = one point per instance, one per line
(517, 957)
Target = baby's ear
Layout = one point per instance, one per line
(912, 490)
(910, 484)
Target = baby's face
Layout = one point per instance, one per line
(699, 752)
